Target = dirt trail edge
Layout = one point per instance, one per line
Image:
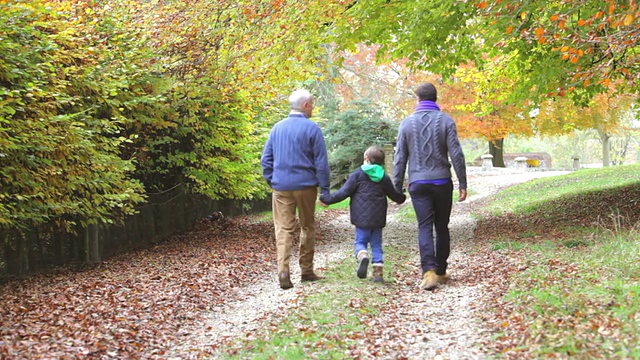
(443, 324)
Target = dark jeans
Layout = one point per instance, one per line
(432, 204)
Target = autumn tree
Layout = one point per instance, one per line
(59, 148)
(561, 48)
(484, 109)
(390, 84)
(578, 47)
(606, 112)
(229, 64)
(102, 103)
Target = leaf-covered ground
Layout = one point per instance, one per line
(134, 305)
(145, 303)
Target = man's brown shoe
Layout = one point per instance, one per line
(285, 281)
(310, 277)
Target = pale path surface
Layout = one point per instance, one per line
(443, 323)
(252, 305)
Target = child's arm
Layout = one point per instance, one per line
(391, 191)
(345, 191)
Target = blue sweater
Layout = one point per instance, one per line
(295, 155)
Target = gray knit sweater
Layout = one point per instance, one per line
(426, 139)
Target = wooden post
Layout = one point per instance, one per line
(388, 159)
(521, 163)
(92, 244)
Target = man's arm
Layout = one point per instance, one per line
(266, 161)
(390, 190)
(457, 158)
(345, 191)
(400, 160)
(321, 162)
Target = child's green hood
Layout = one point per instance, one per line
(374, 171)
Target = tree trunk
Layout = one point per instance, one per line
(619, 149)
(60, 256)
(606, 159)
(496, 150)
(606, 156)
(92, 244)
(16, 255)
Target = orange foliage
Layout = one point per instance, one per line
(481, 107)
(599, 39)
(389, 83)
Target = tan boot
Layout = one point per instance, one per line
(429, 280)
(363, 263)
(442, 279)
(377, 273)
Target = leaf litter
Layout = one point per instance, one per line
(170, 300)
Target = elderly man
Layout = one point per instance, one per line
(294, 164)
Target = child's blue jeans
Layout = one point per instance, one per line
(372, 236)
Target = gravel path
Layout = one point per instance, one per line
(443, 323)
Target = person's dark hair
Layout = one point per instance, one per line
(427, 91)
(375, 155)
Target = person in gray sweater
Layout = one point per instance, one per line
(368, 187)
(426, 140)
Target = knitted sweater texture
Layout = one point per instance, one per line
(426, 140)
(295, 155)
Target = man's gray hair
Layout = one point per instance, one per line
(299, 97)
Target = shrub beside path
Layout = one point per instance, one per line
(414, 324)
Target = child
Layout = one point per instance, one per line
(368, 187)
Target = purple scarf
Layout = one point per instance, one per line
(427, 105)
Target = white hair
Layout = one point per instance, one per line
(299, 97)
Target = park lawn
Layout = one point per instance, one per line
(579, 295)
(538, 193)
(575, 300)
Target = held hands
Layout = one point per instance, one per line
(463, 195)
(322, 203)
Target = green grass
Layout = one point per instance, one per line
(406, 214)
(582, 302)
(532, 195)
(507, 244)
(579, 295)
(331, 319)
(344, 204)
